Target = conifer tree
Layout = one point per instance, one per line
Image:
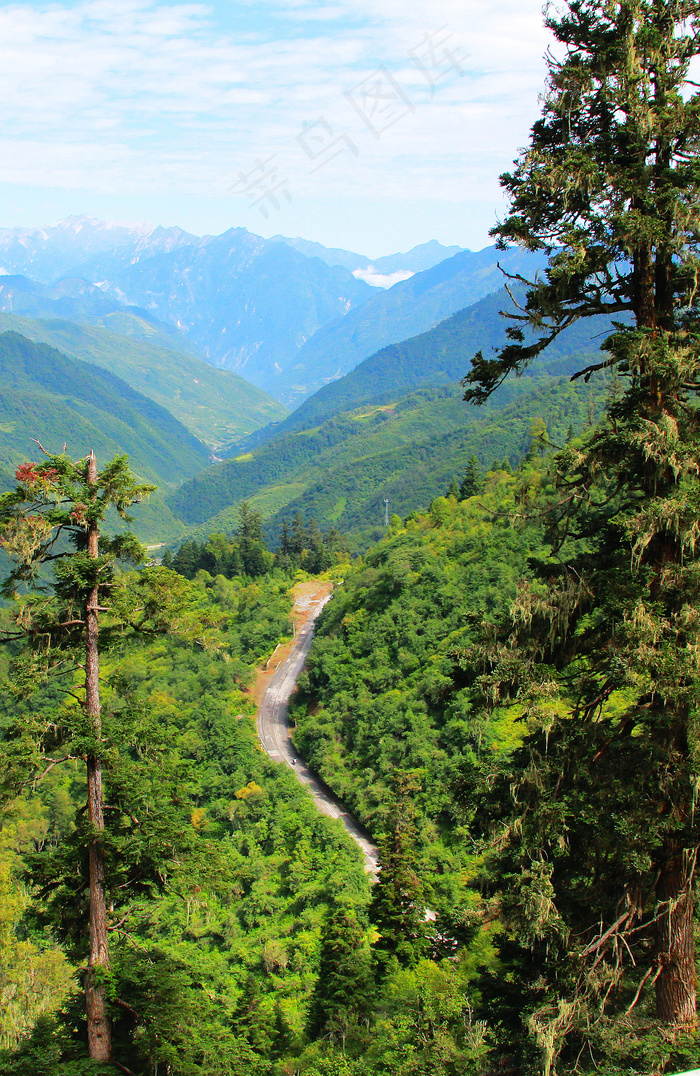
(52, 519)
(599, 866)
(473, 481)
(251, 544)
(398, 904)
(344, 987)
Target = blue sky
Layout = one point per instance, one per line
(368, 125)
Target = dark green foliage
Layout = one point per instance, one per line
(251, 547)
(244, 554)
(304, 546)
(344, 991)
(595, 882)
(399, 904)
(473, 481)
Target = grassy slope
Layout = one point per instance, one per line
(56, 399)
(217, 406)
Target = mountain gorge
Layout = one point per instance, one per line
(383, 759)
(378, 415)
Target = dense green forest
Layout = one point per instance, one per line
(243, 932)
(220, 872)
(406, 451)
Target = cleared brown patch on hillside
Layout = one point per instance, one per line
(306, 597)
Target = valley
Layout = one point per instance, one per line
(381, 758)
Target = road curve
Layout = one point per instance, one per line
(273, 733)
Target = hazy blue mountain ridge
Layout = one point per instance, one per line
(442, 355)
(59, 250)
(342, 446)
(388, 317)
(423, 256)
(74, 299)
(247, 304)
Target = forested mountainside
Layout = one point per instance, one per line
(385, 691)
(58, 400)
(407, 451)
(215, 405)
(249, 938)
(49, 396)
(225, 876)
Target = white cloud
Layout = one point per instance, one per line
(381, 280)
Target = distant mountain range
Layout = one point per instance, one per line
(424, 256)
(47, 254)
(107, 358)
(244, 303)
(77, 243)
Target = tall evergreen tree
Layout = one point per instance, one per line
(344, 987)
(57, 503)
(398, 907)
(598, 879)
(250, 540)
(299, 537)
(473, 481)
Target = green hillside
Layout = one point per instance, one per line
(409, 307)
(396, 428)
(439, 356)
(406, 451)
(56, 399)
(216, 405)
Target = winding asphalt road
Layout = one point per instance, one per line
(276, 741)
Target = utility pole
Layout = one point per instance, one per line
(386, 512)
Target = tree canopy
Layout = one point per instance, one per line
(597, 884)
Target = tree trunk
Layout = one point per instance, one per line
(98, 1024)
(676, 985)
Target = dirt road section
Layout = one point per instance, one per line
(273, 688)
(306, 602)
